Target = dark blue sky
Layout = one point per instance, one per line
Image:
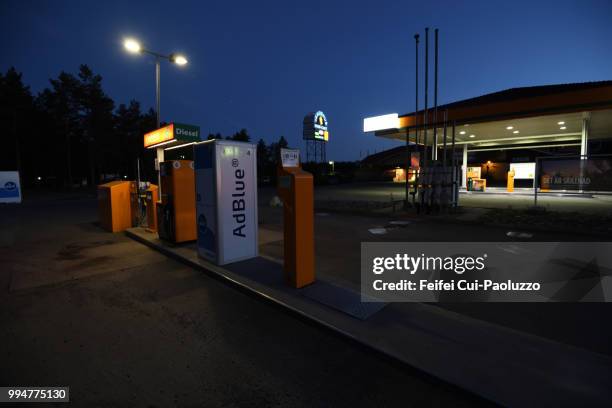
(263, 65)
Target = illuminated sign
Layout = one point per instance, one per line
(390, 121)
(523, 170)
(161, 135)
(290, 157)
(315, 127)
(10, 191)
(174, 133)
(593, 174)
(473, 172)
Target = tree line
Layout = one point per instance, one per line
(73, 134)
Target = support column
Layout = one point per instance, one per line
(585, 135)
(584, 147)
(407, 167)
(434, 149)
(464, 167)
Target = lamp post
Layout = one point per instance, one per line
(133, 46)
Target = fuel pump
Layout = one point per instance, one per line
(176, 221)
(151, 207)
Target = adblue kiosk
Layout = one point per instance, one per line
(226, 200)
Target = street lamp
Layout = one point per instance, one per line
(178, 59)
(133, 46)
(331, 163)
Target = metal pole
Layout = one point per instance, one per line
(416, 88)
(157, 94)
(416, 114)
(444, 142)
(464, 167)
(454, 164)
(453, 159)
(426, 112)
(435, 144)
(425, 176)
(160, 150)
(407, 192)
(324, 147)
(138, 191)
(584, 144)
(536, 183)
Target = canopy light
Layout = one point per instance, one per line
(509, 127)
(462, 132)
(132, 45)
(563, 127)
(472, 136)
(179, 146)
(561, 123)
(390, 121)
(515, 132)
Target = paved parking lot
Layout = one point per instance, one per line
(123, 325)
(338, 238)
(119, 322)
(396, 191)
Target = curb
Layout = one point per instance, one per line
(215, 273)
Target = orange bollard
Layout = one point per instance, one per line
(295, 188)
(511, 174)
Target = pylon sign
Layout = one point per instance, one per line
(315, 127)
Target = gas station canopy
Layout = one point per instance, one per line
(172, 135)
(529, 116)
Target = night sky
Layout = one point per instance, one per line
(263, 65)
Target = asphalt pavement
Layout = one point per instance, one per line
(124, 326)
(338, 237)
(494, 198)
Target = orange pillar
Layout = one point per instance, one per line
(511, 181)
(295, 187)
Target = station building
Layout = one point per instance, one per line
(516, 129)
